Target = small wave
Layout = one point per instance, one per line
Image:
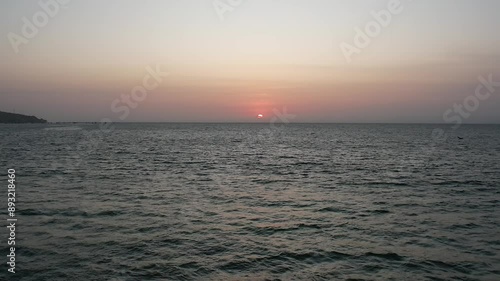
(462, 268)
(286, 157)
(78, 226)
(388, 256)
(263, 181)
(67, 213)
(147, 229)
(458, 183)
(270, 230)
(316, 257)
(332, 209)
(388, 183)
(30, 212)
(307, 163)
(464, 226)
(292, 257)
(62, 129)
(380, 211)
(110, 213)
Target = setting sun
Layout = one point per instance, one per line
(260, 116)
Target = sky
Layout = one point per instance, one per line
(230, 60)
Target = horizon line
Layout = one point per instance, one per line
(261, 123)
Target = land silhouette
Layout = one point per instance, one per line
(6, 117)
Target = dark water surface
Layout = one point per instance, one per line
(254, 202)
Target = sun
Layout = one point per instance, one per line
(260, 116)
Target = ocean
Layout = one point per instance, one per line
(165, 201)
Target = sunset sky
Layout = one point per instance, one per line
(262, 55)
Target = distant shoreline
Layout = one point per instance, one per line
(15, 118)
